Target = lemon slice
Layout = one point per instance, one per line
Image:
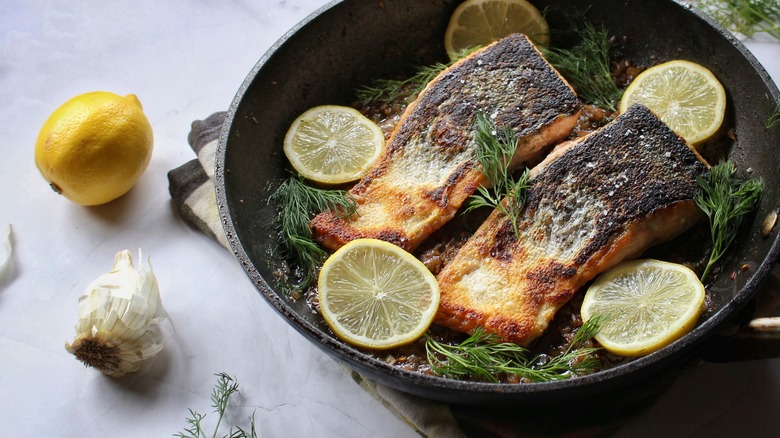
(477, 23)
(644, 305)
(333, 144)
(374, 294)
(684, 95)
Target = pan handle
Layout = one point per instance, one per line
(759, 337)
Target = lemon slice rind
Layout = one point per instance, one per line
(684, 95)
(333, 144)
(373, 294)
(644, 305)
(95, 147)
(477, 23)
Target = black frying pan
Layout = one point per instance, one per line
(348, 43)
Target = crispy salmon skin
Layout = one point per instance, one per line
(592, 203)
(429, 164)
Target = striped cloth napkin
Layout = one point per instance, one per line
(191, 186)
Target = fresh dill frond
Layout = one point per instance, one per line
(391, 90)
(226, 386)
(482, 356)
(747, 17)
(220, 396)
(774, 115)
(194, 429)
(298, 203)
(725, 201)
(494, 152)
(587, 331)
(587, 64)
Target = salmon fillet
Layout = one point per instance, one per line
(429, 165)
(592, 203)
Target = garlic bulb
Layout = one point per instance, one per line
(119, 315)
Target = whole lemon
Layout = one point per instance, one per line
(95, 147)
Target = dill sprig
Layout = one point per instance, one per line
(747, 17)
(587, 64)
(226, 386)
(494, 152)
(774, 115)
(725, 201)
(481, 356)
(298, 203)
(391, 90)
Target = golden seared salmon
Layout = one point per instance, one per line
(429, 166)
(592, 203)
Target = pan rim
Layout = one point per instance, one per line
(686, 345)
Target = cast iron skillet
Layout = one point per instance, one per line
(348, 43)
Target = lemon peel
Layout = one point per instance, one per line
(94, 147)
(684, 95)
(373, 294)
(477, 23)
(643, 305)
(333, 144)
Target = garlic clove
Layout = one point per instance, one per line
(119, 316)
(769, 222)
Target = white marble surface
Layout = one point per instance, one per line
(185, 60)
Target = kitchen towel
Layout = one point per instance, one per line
(191, 186)
(192, 190)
